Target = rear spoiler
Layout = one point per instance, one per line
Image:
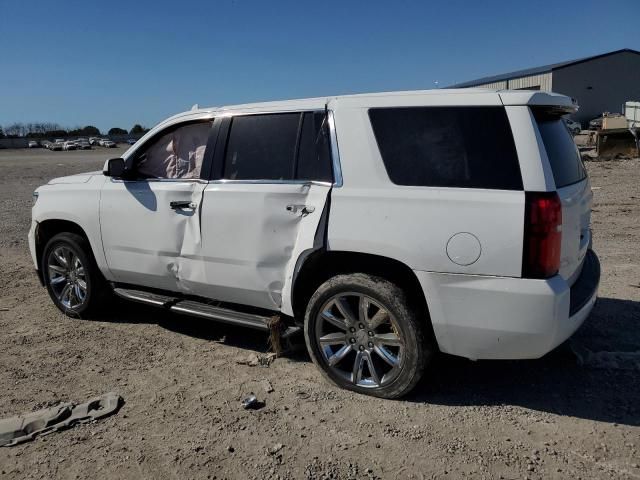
(553, 101)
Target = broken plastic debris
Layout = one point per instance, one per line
(252, 403)
(23, 428)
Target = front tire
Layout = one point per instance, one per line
(71, 275)
(364, 336)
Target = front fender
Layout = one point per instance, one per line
(75, 203)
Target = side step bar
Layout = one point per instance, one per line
(203, 310)
(155, 299)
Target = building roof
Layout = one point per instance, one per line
(537, 70)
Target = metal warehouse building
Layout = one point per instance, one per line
(602, 83)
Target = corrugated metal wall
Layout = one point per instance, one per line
(497, 85)
(541, 81)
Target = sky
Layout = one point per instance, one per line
(117, 63)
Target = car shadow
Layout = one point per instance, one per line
(575, 379)
(123, 311)
(141, 191)
(592, 376)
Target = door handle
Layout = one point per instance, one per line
(179, 205)
(302, 210)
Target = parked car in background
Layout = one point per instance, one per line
(33, 144)
(131, 141)
(383, 227)
(83, 144)
(108, 144)
(69, 145)
(596, 123)
(59, 140)
(93, 140)
(56, 146)
(574, 127)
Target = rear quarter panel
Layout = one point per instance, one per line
(370, 214)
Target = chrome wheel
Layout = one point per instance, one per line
(359, 340)
(67, 277)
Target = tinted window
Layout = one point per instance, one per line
(262, 147)
(314, 157)
(447, 146)
(563, 154)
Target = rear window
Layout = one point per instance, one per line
(314, 157)
(262, 147)
(279, 146)
(468, 147)
(563, 154)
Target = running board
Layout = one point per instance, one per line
(155, 299)
(204, 310)
(197, 309)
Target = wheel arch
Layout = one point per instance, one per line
(322, 265)
(47, 229)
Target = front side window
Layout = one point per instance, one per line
(177, 154)
(466, 147)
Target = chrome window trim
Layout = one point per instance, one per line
(242, 113)
(335, 153)
(273, 182)
(156, 180)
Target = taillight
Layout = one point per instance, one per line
(542, 235)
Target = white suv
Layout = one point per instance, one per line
(385, 226)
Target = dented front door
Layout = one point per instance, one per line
(147, 226)
(252, 236)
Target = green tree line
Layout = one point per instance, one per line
(48, 129)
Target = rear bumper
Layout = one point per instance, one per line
(482, 317)
(586, 286)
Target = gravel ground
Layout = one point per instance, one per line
(549, 418)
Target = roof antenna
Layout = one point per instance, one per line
(195, 107)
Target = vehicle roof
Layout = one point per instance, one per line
(409, 98)
(506, 97)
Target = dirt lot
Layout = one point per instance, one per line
(548, 418)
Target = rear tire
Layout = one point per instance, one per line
(72, 277)
(363, 335)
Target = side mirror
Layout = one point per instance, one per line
(114, 167)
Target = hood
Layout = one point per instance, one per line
(77, 178)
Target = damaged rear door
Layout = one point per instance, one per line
(263, 207)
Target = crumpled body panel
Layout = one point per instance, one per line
(22, 428)
(143, 237)
(251, 240)
(239, 242)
